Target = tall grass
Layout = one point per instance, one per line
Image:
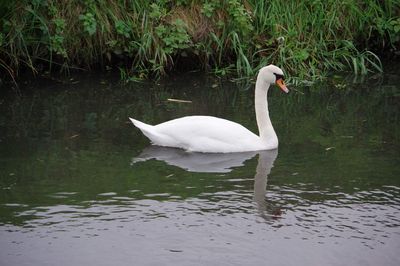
(307, 38)
(318, 36)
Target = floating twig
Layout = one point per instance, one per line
(178, 100)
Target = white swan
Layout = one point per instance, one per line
(217, 135)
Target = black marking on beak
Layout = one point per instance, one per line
(279, 76)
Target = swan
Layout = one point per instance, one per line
(210, 134)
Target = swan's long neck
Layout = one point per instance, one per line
(267, 132)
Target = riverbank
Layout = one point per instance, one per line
(143, 39)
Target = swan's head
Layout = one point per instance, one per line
(272, 74)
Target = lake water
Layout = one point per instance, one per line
(79, 185)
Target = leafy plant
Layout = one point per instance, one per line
(157, 11)
(57, 40)
(208, 9)
(122, 28)
(173, 36)
(89, 23)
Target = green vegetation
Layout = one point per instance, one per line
(142, 38)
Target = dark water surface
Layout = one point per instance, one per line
(79, 185)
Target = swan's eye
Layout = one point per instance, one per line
(279, 76)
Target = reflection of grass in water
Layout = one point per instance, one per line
(102, 112)
(360, 112)
(306, 38)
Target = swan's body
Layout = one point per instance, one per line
(203, 134)
(212, 134)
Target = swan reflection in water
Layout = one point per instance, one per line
(219, 163)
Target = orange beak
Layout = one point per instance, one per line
(282, 85)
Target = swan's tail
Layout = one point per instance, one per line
(142, 126)
(148, 130)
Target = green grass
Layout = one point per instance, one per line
(144, 38)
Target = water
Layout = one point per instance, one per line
(79, 185)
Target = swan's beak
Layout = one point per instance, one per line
(282, 85)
